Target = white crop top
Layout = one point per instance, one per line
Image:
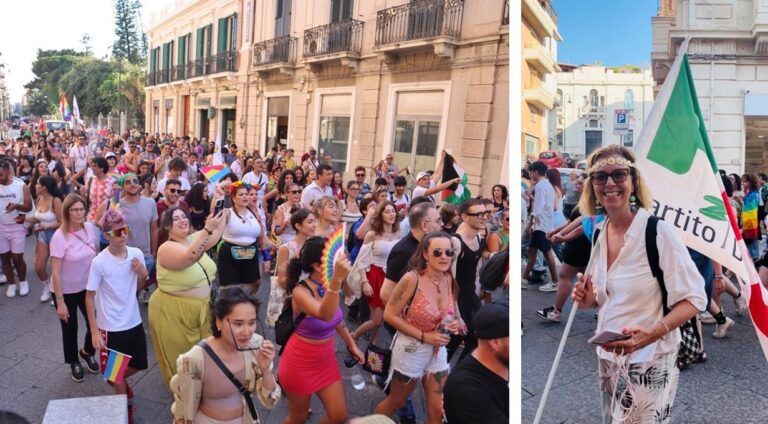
(381, 249)
(242, 230)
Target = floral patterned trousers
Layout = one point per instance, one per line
(654, 384)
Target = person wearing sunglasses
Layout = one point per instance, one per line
(282, 218)
(351, 212)
(360, 179)
(424, 312)
(279, 192)
(113, 310)
(203, 393)
(619, 282)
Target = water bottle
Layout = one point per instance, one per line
(357, 381)
(447, 321)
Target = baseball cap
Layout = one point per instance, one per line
(491, 321)
(421, 175)
(109, 155)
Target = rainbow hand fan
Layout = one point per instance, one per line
(333, 247)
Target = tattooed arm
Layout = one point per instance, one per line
(393, 312)
(177, 256)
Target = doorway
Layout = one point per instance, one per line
(277, 122)
(228, 125)
(203, 125)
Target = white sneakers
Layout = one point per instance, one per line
(46, 295)
(707, 318)
(549, 287)
(741, 305)
(3, 279)
(722, 330)
(23, 289)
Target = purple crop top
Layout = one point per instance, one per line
(317, 329)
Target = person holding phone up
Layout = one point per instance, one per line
(619, 282)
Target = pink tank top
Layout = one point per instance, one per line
(424, 315)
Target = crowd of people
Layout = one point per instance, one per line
(129, 221)
(596, 235)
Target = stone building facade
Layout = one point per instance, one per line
(354, 79)
(728, 54)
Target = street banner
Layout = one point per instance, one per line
(676, 160)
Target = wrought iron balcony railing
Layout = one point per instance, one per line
(179, 72)
(224, 62)
(336, 37)
(200, 67)
(418, 20)
(277, 50)
(149, 80)
(163, 76)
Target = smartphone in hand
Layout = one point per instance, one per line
(608, 336)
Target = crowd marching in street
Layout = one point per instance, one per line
(190, 231)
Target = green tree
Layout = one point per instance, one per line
(37, 103)
(124, 90)
(85, 40)
(49, 67)
(84, 80)
(129, 44)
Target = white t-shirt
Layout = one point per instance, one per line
(313, 192)
(184, 184)
(114, 282)
(419, 191)
(261, 180)
(80, 155)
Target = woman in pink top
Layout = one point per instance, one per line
(73, 247)
(98, 187)
(423, 310)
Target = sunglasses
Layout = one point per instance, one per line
(601, 178)
(173, 190)
(439, 252)
(119, 232)
(294, 191)
(132, 181)
(485, 214)
(359, 175)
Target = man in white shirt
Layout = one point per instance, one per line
(175, 168)
(258, 179)
(541, 221)
(318, 188)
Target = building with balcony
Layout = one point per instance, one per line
(539, 49)
(728, 55)
(586, 99)
(359, 79)
(191, 83)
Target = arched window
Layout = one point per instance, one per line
(560, 98)
(629, 99)
(593, 99)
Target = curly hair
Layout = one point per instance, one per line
(311, 253)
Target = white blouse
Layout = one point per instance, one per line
(629, 296)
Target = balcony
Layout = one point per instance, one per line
(179, 72)
(338, 41)
(590, 111)
(199, 67)
(224, 62)
(163, 76)
(540, 59)
(505, 13)
(541, 18)
(539, 97)
(149, 79)
(276, 54)
(419, 25)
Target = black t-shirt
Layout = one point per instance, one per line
(473, 394)
(401, 253)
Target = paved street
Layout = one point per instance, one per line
(729, 388)
(32, 369)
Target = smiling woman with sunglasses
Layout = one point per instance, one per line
(619, 282)
(203, 392)
(423, 310)
(282, 219)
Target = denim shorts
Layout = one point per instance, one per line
(45, 236)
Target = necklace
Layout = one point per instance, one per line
(320, 288)
(436, 283)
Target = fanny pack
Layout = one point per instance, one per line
(243, 252)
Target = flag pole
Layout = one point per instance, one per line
(552, 371)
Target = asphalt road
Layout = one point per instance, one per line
(729, 388)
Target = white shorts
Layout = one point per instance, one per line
(12, 237)
(414, 359)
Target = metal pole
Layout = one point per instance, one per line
(559, 353)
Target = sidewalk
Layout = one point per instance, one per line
(729, 388)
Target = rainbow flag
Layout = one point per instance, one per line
(116, 364)
(749, 224)
(64, 109)
(215, 172)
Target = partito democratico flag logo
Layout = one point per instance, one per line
(676, 161)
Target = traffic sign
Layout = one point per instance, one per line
(620, 121)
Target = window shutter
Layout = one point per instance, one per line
(222, 36)
(166, 55)
(209, 41)
(182, 49)
(152, 60)
(199, 54)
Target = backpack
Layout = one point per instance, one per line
(690, 344)
(285, 324)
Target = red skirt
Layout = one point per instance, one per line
(376, 279)
(307, 368)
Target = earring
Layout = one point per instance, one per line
(632, 202)
(599, 207)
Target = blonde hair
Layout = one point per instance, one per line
(69, 201)
(588, 200)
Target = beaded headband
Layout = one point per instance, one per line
(611, 161)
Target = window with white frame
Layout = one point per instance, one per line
(417, 127)
(335, 118)
(629, 99)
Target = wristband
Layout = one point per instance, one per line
(208, 231)
(718, 277)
